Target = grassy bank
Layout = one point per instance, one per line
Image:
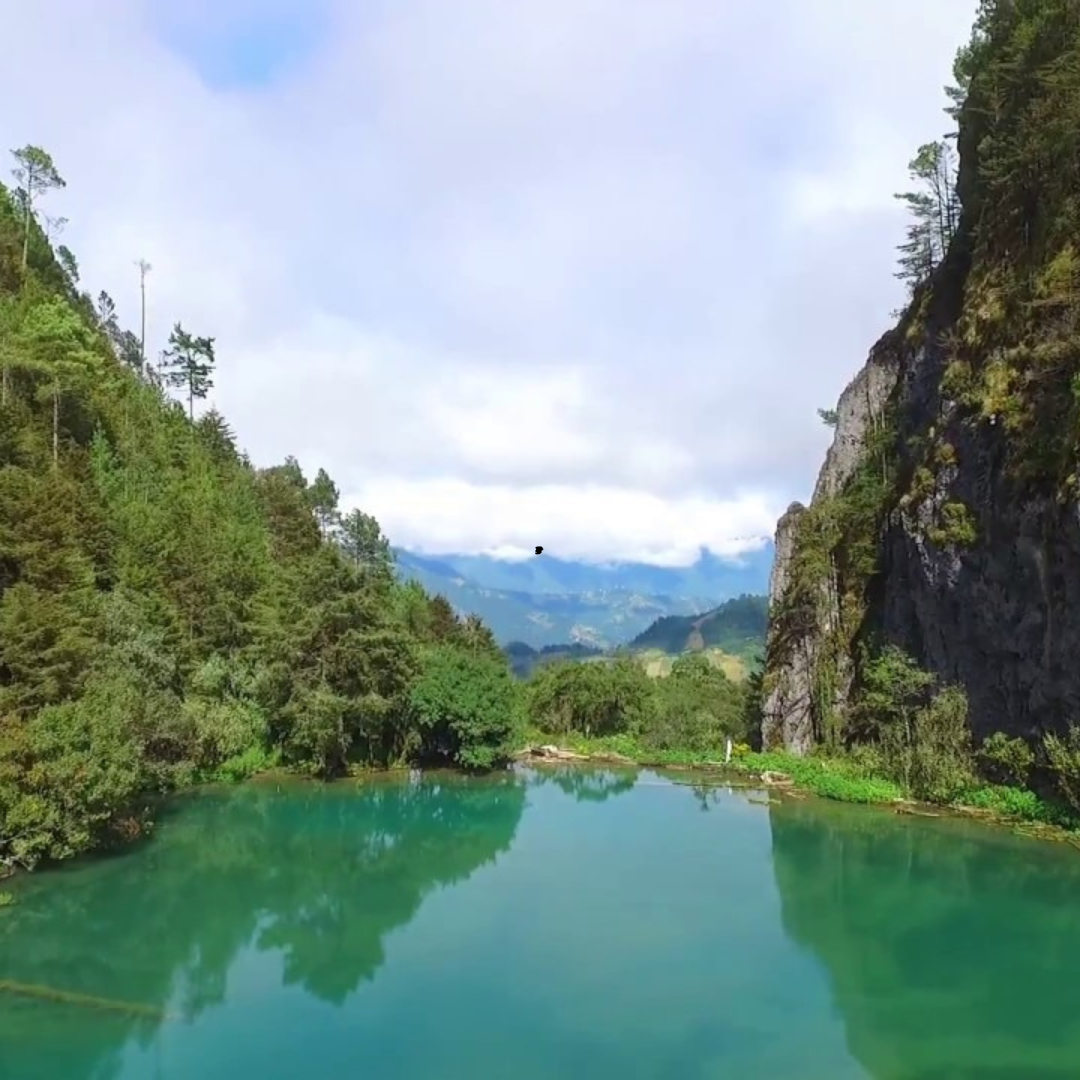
(841, 779)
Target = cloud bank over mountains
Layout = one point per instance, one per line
(568, 272)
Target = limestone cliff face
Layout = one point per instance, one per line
(788, 712)
(995, 610)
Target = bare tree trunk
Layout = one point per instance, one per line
(144, 268)
(26, 235)
(56, 425)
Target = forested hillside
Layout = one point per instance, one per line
(168, 610)
(927, 603)
(737, 626)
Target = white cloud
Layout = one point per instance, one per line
(583, 268)
(571, 522)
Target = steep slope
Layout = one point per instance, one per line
(170, 613)
(945, 520)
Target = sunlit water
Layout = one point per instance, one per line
(555, 925)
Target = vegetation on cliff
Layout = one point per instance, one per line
(170, 612)
(994, 276)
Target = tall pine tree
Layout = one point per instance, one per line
(188, 363)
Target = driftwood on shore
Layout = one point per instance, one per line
(776, 779)
(551, 753)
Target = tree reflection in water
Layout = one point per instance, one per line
(320, 875)
(953, 949)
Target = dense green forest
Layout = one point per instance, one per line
(168, 611)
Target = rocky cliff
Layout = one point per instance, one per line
(945, 519)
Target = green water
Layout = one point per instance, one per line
(557, 925)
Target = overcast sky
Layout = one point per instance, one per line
(568, 272)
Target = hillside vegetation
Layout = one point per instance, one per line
(170, 612)
(693, 710)
(737, 627)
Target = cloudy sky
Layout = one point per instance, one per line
(570, 272)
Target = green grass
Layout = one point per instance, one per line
(840, 779)
(1018, 804)
(830, 778)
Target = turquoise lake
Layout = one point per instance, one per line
(546, 924)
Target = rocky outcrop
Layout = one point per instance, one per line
(788, 719)
(996, 612)
(861, 405)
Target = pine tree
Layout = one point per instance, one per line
(323, 496)
(36, 174)
(364, 544)
(935, 211)
(188, 363)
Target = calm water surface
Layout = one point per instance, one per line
(555, 925)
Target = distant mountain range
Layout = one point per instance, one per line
(545, 600)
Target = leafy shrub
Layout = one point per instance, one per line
(466, 705)
(591, 698)
(923, 738)
(69, 773)
(1006, 760)
(1064, 757)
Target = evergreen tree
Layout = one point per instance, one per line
(323, 496)
(935, 211)
(36, 174)
(188, 363)
(364, 544)
(59, 346)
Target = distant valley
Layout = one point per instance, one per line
(545, 601)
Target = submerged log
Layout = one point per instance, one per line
(86, 1001)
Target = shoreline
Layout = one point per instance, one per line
(783, 783)
(739, 772)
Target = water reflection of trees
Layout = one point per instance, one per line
(584, 783)
(952, 953)
(321, 875)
